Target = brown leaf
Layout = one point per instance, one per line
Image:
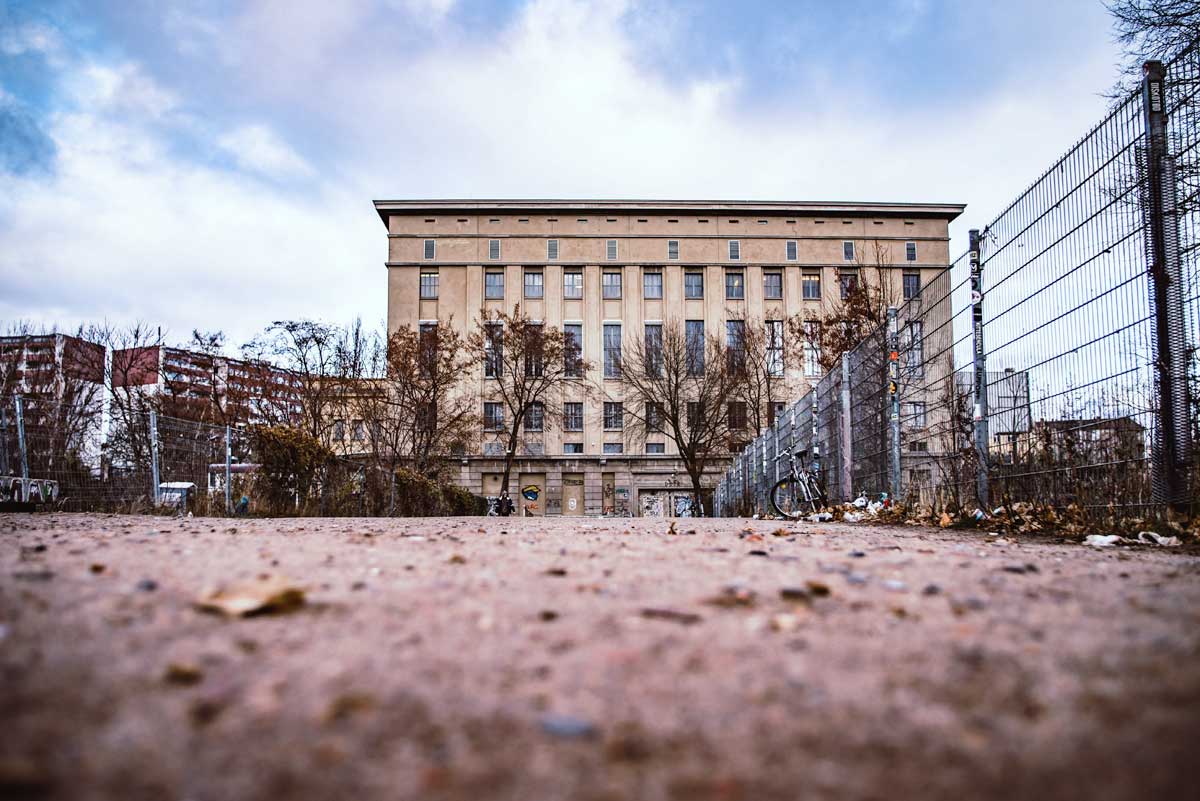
(457, 559)
(686, 618)
(183, 674)
(262, 595)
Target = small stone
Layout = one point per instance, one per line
(931, 589)
(33, 575)
(97, 568)
(147, 585)
(568, 727)
(1020, 569)
(857, 554)
(547, 615)
(556, 571)
(358, 585)
(794, 594)
(857, 578)
(757, 553)
(895, 585)
(817, 588)
(457, 559)
(183, 674)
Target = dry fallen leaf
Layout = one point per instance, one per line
(264, 594)
(946, 521)
(183, 674)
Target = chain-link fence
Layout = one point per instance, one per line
(1053, 365)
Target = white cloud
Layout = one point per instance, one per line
(31, 37)
(257, 148)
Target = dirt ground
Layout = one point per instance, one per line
(592, 659)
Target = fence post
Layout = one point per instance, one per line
(1172, 447)
(893, 388)
(979, 359)
(847, 466)
(3, 442)
(154, 455)
(228, 470)
(21, 443)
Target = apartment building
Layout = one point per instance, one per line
(602, 271)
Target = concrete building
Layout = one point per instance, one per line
(606, 269)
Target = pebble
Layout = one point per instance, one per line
(147, 585)
(856, 578)
(895, 585)
(857, 554)
(931, 589)
(567, 727)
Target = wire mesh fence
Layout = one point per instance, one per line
(1056, 364)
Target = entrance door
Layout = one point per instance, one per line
(532, 492)
(572, 494)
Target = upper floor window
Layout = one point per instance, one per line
(849, 282)
(610, 249)
(791, 250)
(773, 285)
(493, 286)
(652, 285)
(493, 346)
(534, 287)
(612, 350)
(573, 284)
(672, 248)
(573, 350)
(694, 346)
(614, 447)
(912, 285)
(910, 251)
(656, 447)
(848, 251)
(693, 285)
(735, 285)
(535, 416)
(735, 250)
(551, 249)
(611, 285)
(493, 416)
(429, 286)
(493, 249)
(614, 415)
(573, 416)
(812, 286)
(430, 248)
(775, 347)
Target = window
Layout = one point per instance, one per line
(339, 430)
(551, 249)
(848, 251)
(534, 364)
(612, 285)
(735, 250)
(735, 285)
(915, 346)
(790, 249)
(735, 344)
(812, 286)
(775, 412)
(614, 447)
(672, 248)
(427, 343)
(654, 349)
(493, 449)
(695, 415)
(572, 448)
(912, 285)
(573, 284)
(773, 286)
(918, 446)
(610, 249)
(614, 415)
(656, 447)
(737, 415)
(493, 286)
(693, 285)
(493, 416)
(533, 284)
(358, 430)
(652, 285)
(654, 416)
(914, 414)
(493, 249)
(694, 343)
(573, 416)
(493, 360)
(430, 248)
(775, 347)
(849, 282)
(573, 350)
(429, 286)
(535, 416)
(910, 251)
(812, 348)
(612, 350)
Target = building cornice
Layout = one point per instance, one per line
(946, 211)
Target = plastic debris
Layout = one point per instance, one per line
(852, 517)
(861, 501)
(820, 517)
(1102, 540)
(1151, 538)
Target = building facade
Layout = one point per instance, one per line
(603, 270)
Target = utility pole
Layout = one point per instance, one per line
(979, 358)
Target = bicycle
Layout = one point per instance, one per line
(800, 491)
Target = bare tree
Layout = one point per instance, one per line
(316, 353)
(683, 387)
(132, 379)
(764, 361)
(524, 363)
(1153, 29)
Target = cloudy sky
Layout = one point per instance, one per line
(212, 164)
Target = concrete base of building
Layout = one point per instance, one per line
(594, 486)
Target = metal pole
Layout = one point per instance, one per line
(1172, 446)
(21, 444)
(154, 455)
(979, 357)
(228, 470)
(847, 465)
(893, 388)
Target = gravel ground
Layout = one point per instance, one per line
(592, 659)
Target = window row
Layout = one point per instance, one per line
(652, 285)
(790, 250)
(613, 416)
